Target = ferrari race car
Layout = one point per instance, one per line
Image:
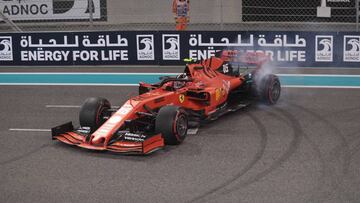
(163, 112)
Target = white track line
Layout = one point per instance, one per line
(321, 87)
(29, 130)
(129, 73)
(66, 84)
(82, 73)
(62, 106)
(70, 106)
(131, 85)
(192, 131)
(318, 75)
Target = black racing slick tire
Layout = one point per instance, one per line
(270, 89)
(172, 123)
(92, 112)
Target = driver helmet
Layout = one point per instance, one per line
(180, 84)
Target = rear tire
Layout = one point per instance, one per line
(270, 89)
(172, 123)
(92, 112)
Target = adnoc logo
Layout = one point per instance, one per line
(324, 48)
(145, 47)
(171, 47)
(6, 50)
(351, 48)
(29, 10)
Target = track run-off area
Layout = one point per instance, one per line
(306, 148)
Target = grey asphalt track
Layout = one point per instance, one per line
(304, 149)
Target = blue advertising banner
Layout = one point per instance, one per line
(286, 49)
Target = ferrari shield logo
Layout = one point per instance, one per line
(181, 98)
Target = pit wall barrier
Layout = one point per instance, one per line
(286, 49)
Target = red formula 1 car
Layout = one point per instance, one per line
(162, 113)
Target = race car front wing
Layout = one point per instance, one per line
(126, 142)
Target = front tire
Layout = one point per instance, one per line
(172, 123)
(92, 112)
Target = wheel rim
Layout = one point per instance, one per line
(181, 125)
(275, 91)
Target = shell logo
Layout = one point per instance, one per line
(217, 94)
